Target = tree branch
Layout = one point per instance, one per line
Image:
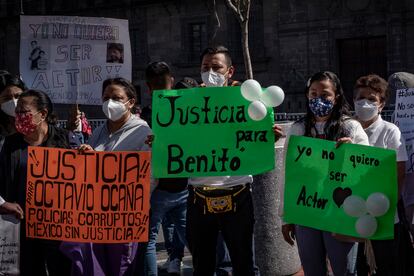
(218, 25)
(241, 9)
(247, 9)
(231, 5)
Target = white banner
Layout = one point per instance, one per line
(404, 119)
(69, 57)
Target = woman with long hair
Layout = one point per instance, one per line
(327, 118)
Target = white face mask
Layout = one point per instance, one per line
(9, 107)
(366, 110)
(114, 110)
(213, 79)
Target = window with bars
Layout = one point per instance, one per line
(197, 40)
(138, 35)
(138, 48)
(12, 7)
(3, 10)
(359, 57)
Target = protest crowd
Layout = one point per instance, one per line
(213, 216)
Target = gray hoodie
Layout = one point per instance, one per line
(130, 137)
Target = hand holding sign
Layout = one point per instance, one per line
(12, 208)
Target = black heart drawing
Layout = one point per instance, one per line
(339, 195)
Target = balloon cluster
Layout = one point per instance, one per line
(271, 97)
(377, 205)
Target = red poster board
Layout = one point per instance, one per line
(99, 197)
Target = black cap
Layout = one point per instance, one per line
(186, 83)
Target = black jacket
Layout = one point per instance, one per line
(13, 164)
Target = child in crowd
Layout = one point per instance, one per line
(370, 96)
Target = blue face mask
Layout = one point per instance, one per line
(320, 107)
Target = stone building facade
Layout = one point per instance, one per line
(289, 39)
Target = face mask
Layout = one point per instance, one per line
(24, 123)
(213, 79)
(113, 109)
(9, 107)
(320, 107)
(365, 109)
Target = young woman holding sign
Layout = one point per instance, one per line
(35, 125)
(122, 132)
(326, 118)
(370, 96)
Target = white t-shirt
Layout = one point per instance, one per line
(357, 134)
(220, 181)
(2, 201)
(383, 134)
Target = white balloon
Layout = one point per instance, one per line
(378, 204)
(273, 96)
(251, 90)
(257, 111)
(366, 226)
(354, 206)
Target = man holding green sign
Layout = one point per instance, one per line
(213, 135)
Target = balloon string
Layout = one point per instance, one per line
(369, 253)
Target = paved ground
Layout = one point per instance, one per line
(186, 269)
(162, 256)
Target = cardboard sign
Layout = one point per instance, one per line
(209, 132)
(9, 245)
(100, 197)
(404, 119)
(69, 57)
(339, 189)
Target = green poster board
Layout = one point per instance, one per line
(339, 189)
(208, 132)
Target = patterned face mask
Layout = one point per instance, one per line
(24, 123)
(320, 107)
